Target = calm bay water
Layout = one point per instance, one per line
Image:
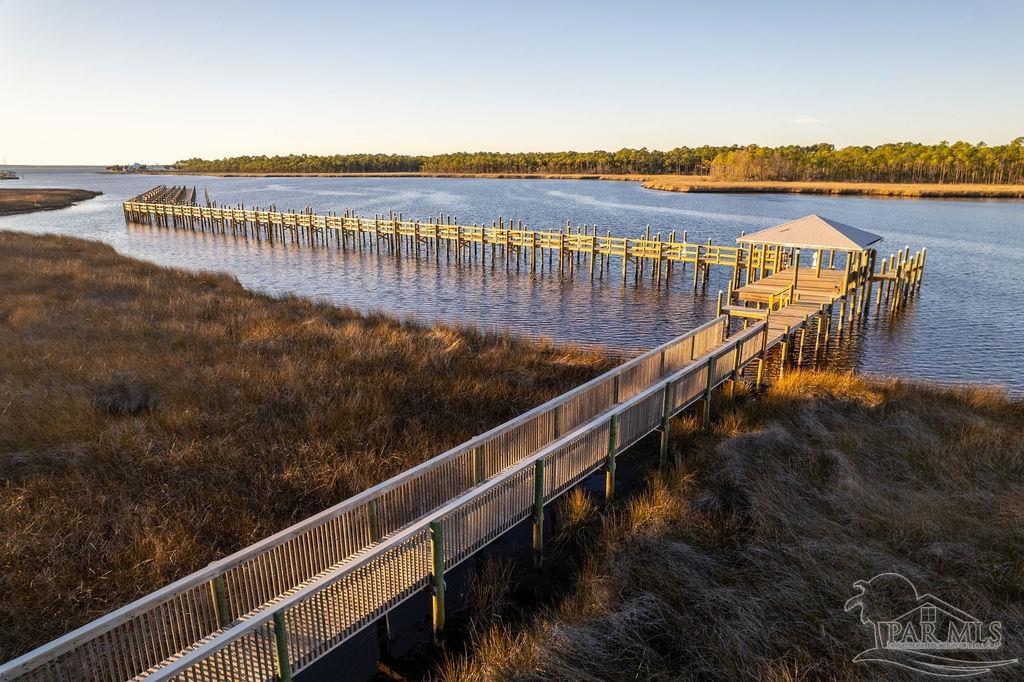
(963, 327)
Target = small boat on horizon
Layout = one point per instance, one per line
(7, 174)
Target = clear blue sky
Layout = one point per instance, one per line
(105, 82)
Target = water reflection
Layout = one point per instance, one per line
(960, 329)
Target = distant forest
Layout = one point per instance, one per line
(960, 162)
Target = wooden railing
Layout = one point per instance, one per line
(245, 587)
(301, 627)
(781, 298)
(344, 231)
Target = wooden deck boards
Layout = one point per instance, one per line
(824, 285)
(813, 290)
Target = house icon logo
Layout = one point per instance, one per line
(922, 632)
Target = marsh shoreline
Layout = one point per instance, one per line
(28, 200)
(693, 184)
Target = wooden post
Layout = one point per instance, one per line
(593, 249)
(881, 285)
(696, 266)
(373, 516)
(853, 296)
(437, 578)
(609, 473)
(920, 274)
(803, 338)
(479, 469)
(284, 668)
(735, 369)
(846, 277)
(707, 392)
(707, 264)
(784, 352)
(625, 257)
(538, 513)
(666, 415)
(869, 272)
(817, 331)
(761, 359)
(219, 597)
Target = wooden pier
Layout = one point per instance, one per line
(799, 300)
(572, 250)
(273, 609)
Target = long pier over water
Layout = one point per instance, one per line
(274, 609)
(571, 249)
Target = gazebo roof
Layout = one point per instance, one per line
(814, 232)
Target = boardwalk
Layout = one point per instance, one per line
(573, 250)
(276, 607)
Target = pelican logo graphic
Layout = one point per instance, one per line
(909, 628)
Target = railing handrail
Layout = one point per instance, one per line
(396, 539)
(107, 622)
(607, 241)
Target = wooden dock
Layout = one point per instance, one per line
(273, 609)
(574, 250)
(798, 300)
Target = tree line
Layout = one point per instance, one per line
(959, 162)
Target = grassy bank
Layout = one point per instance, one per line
(152, 420)
(738, 564)
(698, 183)
(693, 183)
(28, 200)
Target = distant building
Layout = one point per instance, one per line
(139, 168)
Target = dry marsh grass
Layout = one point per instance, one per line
(28, 200)
(699, 183)
(152, 420)
(737, 564)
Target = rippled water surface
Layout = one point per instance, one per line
(964, 326)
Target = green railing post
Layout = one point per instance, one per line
(609, 474)
(284, 668)
(538, 513)
(707, 392)
(784, 352)
(666, 415)
(479, 472)
(373, 512)
(219, 596)
(735, 369)
(764, 352)
(437, 577)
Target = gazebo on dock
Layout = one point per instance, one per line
(776, 287)
(774, 255)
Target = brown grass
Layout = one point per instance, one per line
(737, 565)
(693, 183)
(28, 200)
(700, 183)
(152, 420)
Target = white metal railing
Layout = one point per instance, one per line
(308, 623)
(160, 626)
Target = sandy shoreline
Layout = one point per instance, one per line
(697, 184)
